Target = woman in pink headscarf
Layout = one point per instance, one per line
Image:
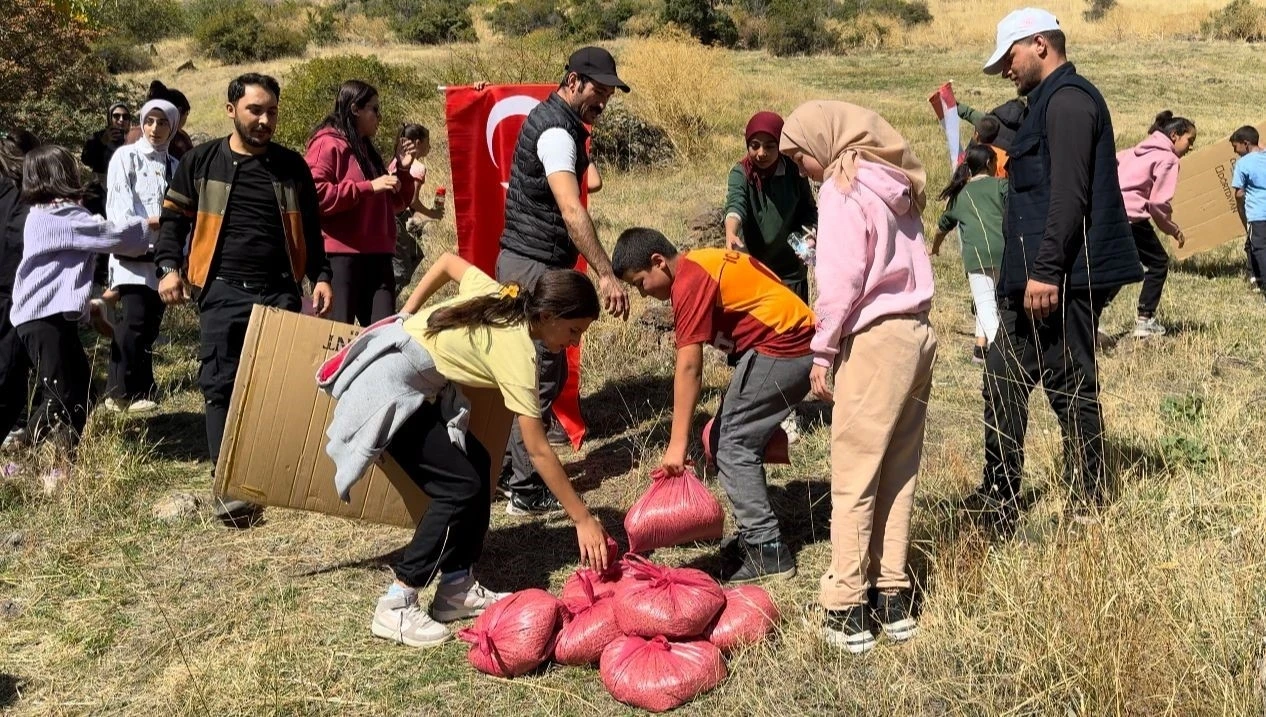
(767, 200)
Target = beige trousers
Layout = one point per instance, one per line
(882, 382)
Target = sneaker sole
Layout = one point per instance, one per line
(455, 614)
(511, 509)
(784, 575)
(854, 644)
(901, 630)
(395, 636)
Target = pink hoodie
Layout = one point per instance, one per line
(354, 219)
(871, 262)
(1149, 175)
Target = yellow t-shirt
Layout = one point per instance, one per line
(484, 357)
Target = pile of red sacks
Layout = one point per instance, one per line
(658, 634)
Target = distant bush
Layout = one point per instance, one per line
(123, 55)
(749, 27)
(239, 33)
(599, 19)
(1240, 20)
(435, 22)
(798, 27)
(309, 89)
(515, 18)
(684, 88)
(538, 57)
(137, 20)
(323, 25)
(869, 32)
(1097, 9)
(702, 20)
(908, 12)
(626, 141)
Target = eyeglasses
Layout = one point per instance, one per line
(118, 116)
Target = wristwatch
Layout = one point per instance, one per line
(166, 269)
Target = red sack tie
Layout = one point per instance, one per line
(658, 675)
(515, 635)
(603, 583)
(656, 600)
(748, 617)
(674, 510)
(589, 626)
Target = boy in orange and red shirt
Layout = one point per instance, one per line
(732, 301)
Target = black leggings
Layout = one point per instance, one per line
(364, 288)
(131, 374)
(1154, 257)
(450, 536)
(53, 345)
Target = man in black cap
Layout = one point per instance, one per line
(547, 227)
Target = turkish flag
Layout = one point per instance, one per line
(483, 128)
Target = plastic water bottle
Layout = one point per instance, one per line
(441, 195)
(804, 244)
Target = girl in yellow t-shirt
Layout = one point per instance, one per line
(481, 338)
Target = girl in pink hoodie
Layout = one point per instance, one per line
(1149, 174)
(873, 353)
(359, 200)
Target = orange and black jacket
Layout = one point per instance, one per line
(198, 196)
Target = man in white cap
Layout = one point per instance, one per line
(1068, 248)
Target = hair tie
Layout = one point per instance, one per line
(509, 290)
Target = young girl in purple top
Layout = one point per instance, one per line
(50, 295)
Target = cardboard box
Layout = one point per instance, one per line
(274, 443)
(1204, 203)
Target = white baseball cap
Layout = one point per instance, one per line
(1020, 24)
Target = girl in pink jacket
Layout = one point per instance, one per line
(1149, 174)
(873, 352)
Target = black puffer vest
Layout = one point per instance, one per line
(534, 224)
(1107, 257)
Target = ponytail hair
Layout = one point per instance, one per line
(1171, 126)
(979, 158)
(559, 294)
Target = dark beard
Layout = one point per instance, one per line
(245, 135)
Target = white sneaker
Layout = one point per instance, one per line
(791, 426)
(461, 600)
(142, 406)
(17, 438)
(399, 619)
(112, 406)
(1145, 328)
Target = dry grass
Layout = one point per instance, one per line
(1157, 611)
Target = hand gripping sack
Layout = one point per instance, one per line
(657, 600)
(674, 510)
(658, 675)
(601, 583)
(589, 625)
(515, 635)
(748, 617)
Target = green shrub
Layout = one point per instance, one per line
(701, 19)
(1097, 9)
(309, 88)
(138, 20)
(908, 12)
(240, 34)
(518, 18)
(1240, 20)
(323, 25)
(436, 22)
(538, 57)
(599, 19)
(795, 27)
(625, 141)
(123, 55)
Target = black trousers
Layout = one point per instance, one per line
(1255, 248)
(1059, 352)
(451, 534)
(364, 288)
(65, 378)
(1156, 260)
(552, 371)
(224, 310)
(131, 374)
(15, 374)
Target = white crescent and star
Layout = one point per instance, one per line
(505, 108)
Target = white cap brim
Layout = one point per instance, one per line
(994, 65)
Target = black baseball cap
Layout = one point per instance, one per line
(597, 64)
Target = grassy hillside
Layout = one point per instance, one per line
(1157, 610)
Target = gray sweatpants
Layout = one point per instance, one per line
(552, 374)
(763, 391)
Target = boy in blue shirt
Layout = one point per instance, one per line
(1249, 183)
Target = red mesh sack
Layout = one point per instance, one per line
(515, 635)
(674, 602)
(658, 675)
(589, 625)
(748, 617)
(601, 583)
(674, 510)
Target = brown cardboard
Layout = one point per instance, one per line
(274, 442)
(1204, 203)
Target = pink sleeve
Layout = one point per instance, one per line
(1164, 182)
(843, 234)
(335, 194)
(405, 192)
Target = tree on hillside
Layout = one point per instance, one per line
(51, 82)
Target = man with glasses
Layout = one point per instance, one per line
(547, 227)
(1068, 247)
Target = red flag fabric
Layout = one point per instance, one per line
(946, 108)
(483, 127)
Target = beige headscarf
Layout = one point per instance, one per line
(838, 134)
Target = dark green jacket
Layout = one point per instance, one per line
(977, 212)
(783, 204)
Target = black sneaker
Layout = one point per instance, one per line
(537, 502)
(238, 513)
(894, 616)
(767, 560)
(978, 354)
(849, 629)
(993, 512)
(557, 435)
